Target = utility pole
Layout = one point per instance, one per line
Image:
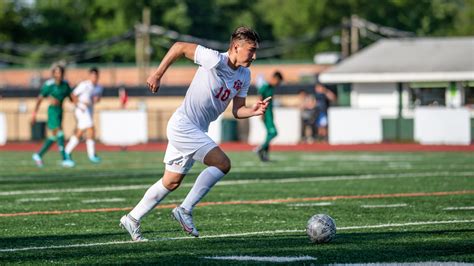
(345, 38)
(146, 41)
(354, 34)
(139, 51)
(142, 46)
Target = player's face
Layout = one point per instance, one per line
(58, 75)
(275, 81)
(94, 77)
(246, 53)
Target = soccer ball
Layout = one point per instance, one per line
(321, 228)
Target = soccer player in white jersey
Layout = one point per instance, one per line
(220, 78)
(85, 95)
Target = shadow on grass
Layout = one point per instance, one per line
(58, 240)
(408, 246)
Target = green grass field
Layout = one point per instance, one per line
(388, 207)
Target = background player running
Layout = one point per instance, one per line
(56, 89)
(85, 95)
(265, 91)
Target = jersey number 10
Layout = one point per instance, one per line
(224, 95)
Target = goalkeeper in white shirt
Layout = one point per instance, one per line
(220, 79)
(85, 95)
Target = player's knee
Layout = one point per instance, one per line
(273, 134)
(224, 165)
(171, 184)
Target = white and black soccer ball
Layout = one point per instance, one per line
(321, 228)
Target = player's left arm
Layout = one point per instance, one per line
(239, 110)
(96, 98)
(70, 90)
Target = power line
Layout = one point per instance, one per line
(77, 52)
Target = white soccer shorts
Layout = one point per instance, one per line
(84, 118)
(186, 144)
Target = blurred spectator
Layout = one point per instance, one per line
(123, 97)
(307, 106)
(324, 97)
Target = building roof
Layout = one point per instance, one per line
(407, 60)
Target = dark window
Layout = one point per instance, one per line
(427, 94)
(468, 93)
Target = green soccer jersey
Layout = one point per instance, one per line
(59, 92)
(266, 91)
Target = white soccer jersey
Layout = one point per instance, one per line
(85, 92)
(214, 85)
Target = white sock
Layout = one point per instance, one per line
(73, 141)
(152, 197)
(90, 143)
(204, 182)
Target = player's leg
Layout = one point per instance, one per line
(87, 123)
(55, 117)
(38, 157)
(271, 134)
(73, 142)
(176, 168)
(153, 196)
(52, 125)
(156, 193)
(218, 165)
(75, 139)
(66, 161)
(90, 145)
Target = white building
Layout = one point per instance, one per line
(398, 76)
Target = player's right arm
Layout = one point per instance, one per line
(176, 51)
(39, 99)
(74, 96)
(44, 92)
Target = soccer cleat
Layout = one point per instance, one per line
(132, 227)
(37, 158)
(262, 155)
(185, 219)
(95, 159)
(68, 163)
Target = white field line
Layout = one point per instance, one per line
(385, 206)
(459, 208)
(173, 201)
(233, 235)
(310, 204)
(241, 182)
(103, 200)
(141, 173)
(38, 199)
(262, 259)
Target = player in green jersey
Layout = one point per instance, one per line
(56, 89)
(265, 91)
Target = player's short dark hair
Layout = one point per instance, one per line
(59, 67)
(278, 75)
(94, 70)
(246, 34)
